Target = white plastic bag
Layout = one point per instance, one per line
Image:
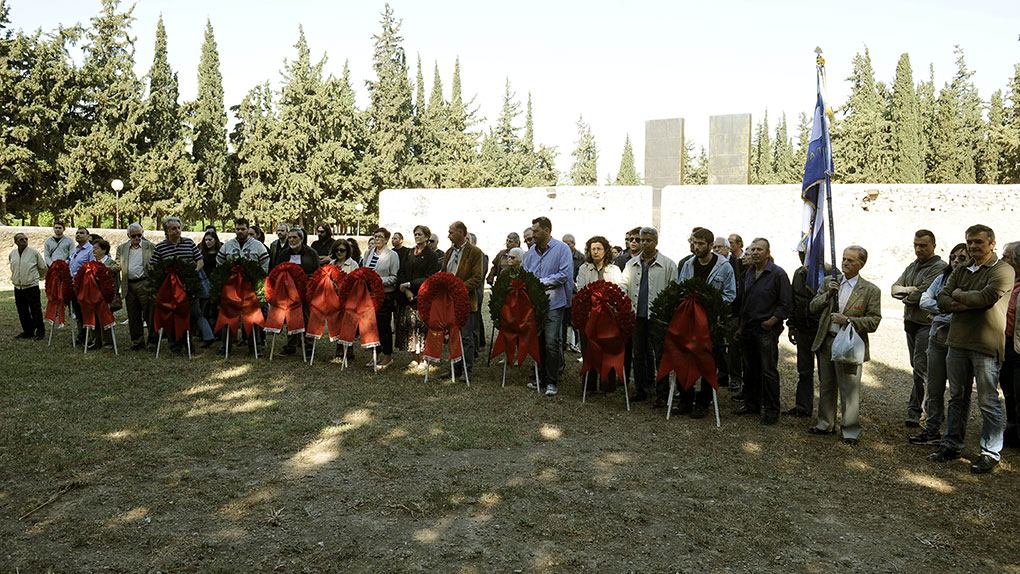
(848, 346)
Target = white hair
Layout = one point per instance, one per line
(135, 226)
(518, 253)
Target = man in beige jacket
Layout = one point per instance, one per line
(27, 268)
(859, 304)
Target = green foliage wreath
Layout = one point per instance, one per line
(252, 270)
(185, 270)
(665, 304)
(536, 292)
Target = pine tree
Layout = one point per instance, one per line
(164, 178)
(209, 134)
(37, 95)
(762, 166)
(390, 111)
(541, 169)
(990, 165)
(905, 115)
(1011, 131)
(859, 141)
(461, 140)
(948, 155)
(627, 174)
(969, 106)
(256, 141)
(585, 168)
(803, 141)
(435, 155)
(927, 110)
(504, 162)
(416, 169)
(103, 139)
(783, 158)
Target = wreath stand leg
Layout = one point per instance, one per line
(504, 375)
(53, 327)
(427, 369)
(113, 335)
(669, 402)
(492, 337)
(312, 358)
(272, 346)
(463, 361)
(304, 356)
(254, 337)
(715, 400)
(626, 393)
(226, 337)
(159, 341)
(74, 337)
(375, 363)
(187, 339)
(86, 340)
(584, 387)
(343, 362)
(538, 382)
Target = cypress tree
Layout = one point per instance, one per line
(990, 164)
(209, 134)
(765, 172)
(803, 141)
(390, 111)
(435, 157)
(109, 119)
(859, 142)
(948, 153)
(785, 165)
(462, 140)
(585, 168)
(627, 174)
(927, 107)
(905, 115)
(969, 106)
(256, 142)
(1011, 131)
(504, 162)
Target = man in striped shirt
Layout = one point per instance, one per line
(181, 247)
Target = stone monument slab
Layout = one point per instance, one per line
(729, 149)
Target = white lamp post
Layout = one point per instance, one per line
(359, 207)
(117, 185)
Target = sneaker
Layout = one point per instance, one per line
(944, 454)
(924, 438)
(532, 385)
(984, 464)
(550, 391)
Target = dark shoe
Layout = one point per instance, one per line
(639, 397)
(911, 424)
(984, 464)
(40, 336)
(23, 336)
(682, 408)
(737, 398)
(944, 454)
(207, 344)
(770, 418)
(850, 441)
(924, 438)
(745, 410)
(816, 430)
(796, 412)
(699, 411)
(288, 351)
(659, 402)
(137, 347)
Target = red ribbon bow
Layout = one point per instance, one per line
(58, 290)
(239, 302)
(605, 342)
(91, 299)
(359, 316)
(687, 350)
(285, 303)
(324, 302)
(443, 322)
(173, 309)
(518, 327)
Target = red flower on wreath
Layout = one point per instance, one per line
(103, 277)
(58, 282)
(444, 308)
(371, 280)
(296, 274)
(444, 282)
(617, 299)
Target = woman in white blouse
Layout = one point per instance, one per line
(385, 262)
(597, 264)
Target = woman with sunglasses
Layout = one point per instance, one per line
(935, 387)
(340, 255)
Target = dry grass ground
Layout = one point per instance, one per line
(215, 465)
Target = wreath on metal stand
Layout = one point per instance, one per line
(444, 307)
(606, 338)
(322, 312)
(59, 293)
(359, 320)
(256, 277)
(172, 311)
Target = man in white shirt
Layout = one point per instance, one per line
(27, 268)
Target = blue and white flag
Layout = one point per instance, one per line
(816, 189)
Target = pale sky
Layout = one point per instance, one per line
(617, 63)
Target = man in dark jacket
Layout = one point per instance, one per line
(803, 326)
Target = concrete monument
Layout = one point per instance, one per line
(664, 148)
(729, 149)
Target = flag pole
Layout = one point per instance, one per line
(820, 61)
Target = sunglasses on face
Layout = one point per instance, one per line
(135, 235)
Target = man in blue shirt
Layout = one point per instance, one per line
(552, 262)
(768, 301)
(81, 255)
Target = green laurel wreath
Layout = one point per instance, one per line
(252, 271)
(536, 292)
(665, 304)
(185, 270)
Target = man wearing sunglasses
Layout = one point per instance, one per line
(133, 256)
(632, 244)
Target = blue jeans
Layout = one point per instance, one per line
(965, 367)
(552, 351)
(917, 346)
(935, 403)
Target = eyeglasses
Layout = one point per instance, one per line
(632, 239)
(135, 235)
(433, 241)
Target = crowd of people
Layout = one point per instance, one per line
(959, 316)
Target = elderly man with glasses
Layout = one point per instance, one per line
(133, 257)
(28, 267)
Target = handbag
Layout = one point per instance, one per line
(117, 304)
(848, 346)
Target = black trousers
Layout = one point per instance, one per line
(384, 322)
(645, 363)
(29, 310)
(761, 377)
